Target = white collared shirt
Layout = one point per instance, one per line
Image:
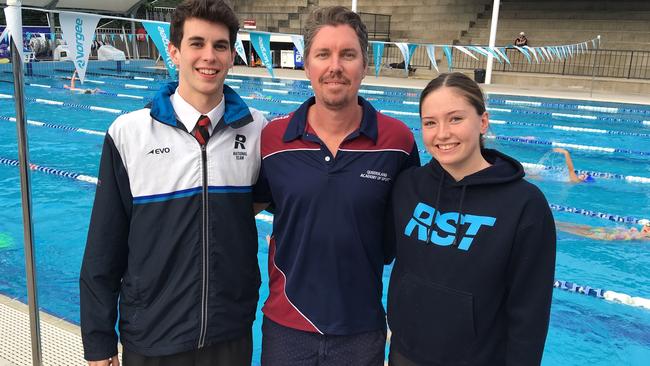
(189, 116)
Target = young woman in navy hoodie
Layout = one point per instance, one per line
(475, 255)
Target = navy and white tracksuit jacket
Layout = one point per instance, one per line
(172, 233)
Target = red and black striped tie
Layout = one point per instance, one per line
(200, 132)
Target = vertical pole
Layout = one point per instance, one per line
(493, 37)
(136, 54)
(593, 69)
(50, 21)
(354, 6)
(25, 190)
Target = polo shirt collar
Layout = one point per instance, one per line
(298, 123)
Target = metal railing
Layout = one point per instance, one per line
(625, 64)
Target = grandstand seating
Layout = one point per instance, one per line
(622, 24)
(424, 21)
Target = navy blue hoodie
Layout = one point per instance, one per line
(474, 288)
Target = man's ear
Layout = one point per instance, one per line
(174, 53)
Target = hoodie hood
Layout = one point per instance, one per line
(503, 169)
(236, 112)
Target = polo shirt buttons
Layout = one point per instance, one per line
(327, 158)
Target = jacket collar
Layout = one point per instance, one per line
(236, 113)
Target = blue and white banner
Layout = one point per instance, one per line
(407, 51)
(4, 34)
(525, 53)
(532, 51)
(378, 55)
(431, 51)
(159, 33)
(77, 32)
(239, 47)
(501, 52)
(466, 51)
(15, 25)
(299, 42)
(404, 49)
(262, 44)
(479, 50)
(450, 57)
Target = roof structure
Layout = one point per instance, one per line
(123, 7)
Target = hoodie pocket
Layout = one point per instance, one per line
(431, 323)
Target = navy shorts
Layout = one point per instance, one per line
(282, 346)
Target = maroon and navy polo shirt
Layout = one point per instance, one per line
(330, 240)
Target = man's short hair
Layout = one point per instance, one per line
(336, 15)
(214, 11)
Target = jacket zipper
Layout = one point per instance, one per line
(204, 248)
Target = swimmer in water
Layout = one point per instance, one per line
(72, 88)
(573, 177)
(609, 234)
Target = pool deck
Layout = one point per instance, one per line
(60, 340)
(421, 82)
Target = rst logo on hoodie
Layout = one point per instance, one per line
(445, 223)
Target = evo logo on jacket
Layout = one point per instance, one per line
(446, 223)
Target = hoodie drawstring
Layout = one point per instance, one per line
(460, 214)
(435, 213)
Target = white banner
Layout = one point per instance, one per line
(299, 42)
(239, 47)
(77, 32)
(465, 51)
(431, 51)
(15, 26)
(4, 33)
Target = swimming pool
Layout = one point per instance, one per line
(606, 139)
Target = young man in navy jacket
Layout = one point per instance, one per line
(172, 238)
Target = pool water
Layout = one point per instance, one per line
(584, 329)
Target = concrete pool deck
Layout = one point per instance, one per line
(60, 339)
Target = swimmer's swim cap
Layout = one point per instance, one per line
(589, 179)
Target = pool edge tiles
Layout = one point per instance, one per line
(60, 339)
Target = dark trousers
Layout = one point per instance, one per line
(236, 352)
(396, 359)
(282, 346)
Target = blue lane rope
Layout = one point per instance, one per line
(88, 179)
(103, 92)
(599, 149)
(628, 178)
(572, 106)
(584, 212)
(602, 294)
(162, 74)
(568, 128)
(57, 126)
(573, 116)
(111, 83)
(53, 171)
(94, 73)
(596, 214)
(66, 104)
